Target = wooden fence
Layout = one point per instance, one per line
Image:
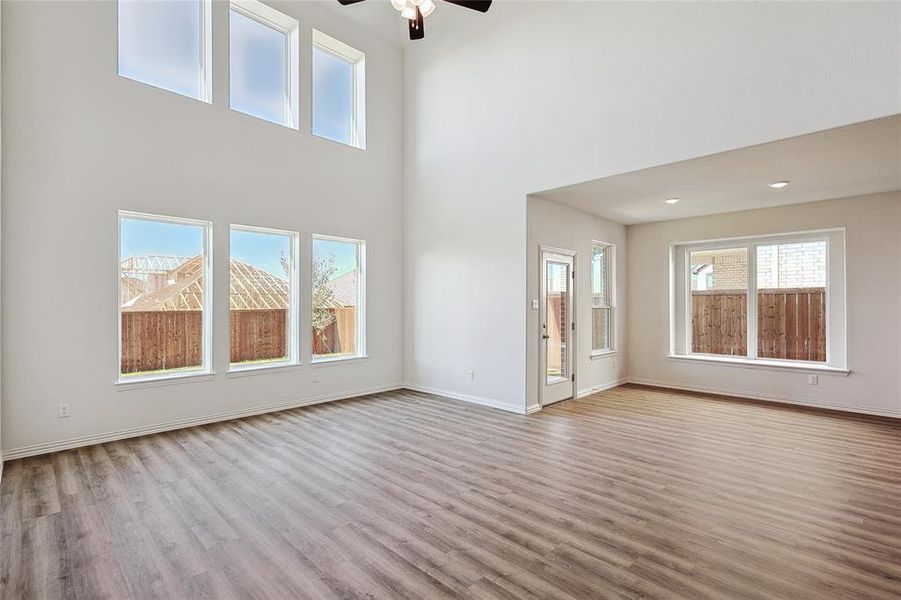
(258, 334)
(719, 322)
(341, 336)
(791, 323)
(158, 340)
(152, 341)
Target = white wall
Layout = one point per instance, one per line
(535, 95)
(80, 142)
(552, 224)
(873, 255)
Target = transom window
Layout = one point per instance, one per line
(339, 91)
(263, 73)
(770, 299)
(167, 45)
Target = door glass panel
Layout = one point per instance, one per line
(556, 310)
(719, 301)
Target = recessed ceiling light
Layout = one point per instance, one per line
(672, 200)
(778, 185)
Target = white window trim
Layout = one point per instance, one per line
(268, 16)
(206, 54)
(206, 368)
(362, 351)
(292, 323)
(357, 59)
(836, 301)
(610, 257)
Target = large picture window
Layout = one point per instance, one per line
(339, 306)
(777, 299)
(262, 298)
(601, 298)
(164, 296)
(167, 45)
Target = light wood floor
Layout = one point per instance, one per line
(631, 493)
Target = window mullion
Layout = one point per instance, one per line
(752, 301)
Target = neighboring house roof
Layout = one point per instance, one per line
(132, 287)
(152, 263)
(251, 289)
(344, 289)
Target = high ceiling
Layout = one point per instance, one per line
(857, 159)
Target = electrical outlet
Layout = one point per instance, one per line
(813, 379)
(316, 376)
(471, 374)
(63, 411)
(534, 304)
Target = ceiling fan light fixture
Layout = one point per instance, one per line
(398, 4)
(778, 185)
(672, 201)
(409, 11)
(427, 7)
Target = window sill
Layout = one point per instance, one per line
(132, 383)
(602, 354)
(772, 365)
(259, 369)
(324, 362)
(339, 142)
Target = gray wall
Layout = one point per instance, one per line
(86, 143)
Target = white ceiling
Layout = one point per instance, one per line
(857, 159)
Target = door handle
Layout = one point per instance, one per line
(545, 336)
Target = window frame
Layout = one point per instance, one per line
(292, 320)
(357, 60)
(290, 27)
(362, 349)
(206, 368)
(835, 298)
(610, 259)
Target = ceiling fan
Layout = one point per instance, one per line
(415, 11)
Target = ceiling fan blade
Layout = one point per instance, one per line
(479, 5)
(347, 2)
(417, 26)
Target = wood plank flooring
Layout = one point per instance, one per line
(630, 493)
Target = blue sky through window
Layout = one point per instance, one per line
(257, 72)
(160, 44)
(261, 250)
(333, 102)
(140, 237)
(345, 254)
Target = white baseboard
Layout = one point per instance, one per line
(765, 397)
(601, 388)
(467, 398)
(100, 438)
(533, 408)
